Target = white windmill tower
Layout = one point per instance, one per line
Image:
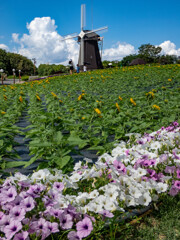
(89, 50)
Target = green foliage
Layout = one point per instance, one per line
(63, 117)
(46, 69)
(167, 59)
(8, 61)
(19, 62)
(4, 61)
(24, 78)
(149, 52)
(128, 59)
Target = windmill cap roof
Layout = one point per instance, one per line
(90, 35)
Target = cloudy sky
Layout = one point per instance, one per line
(36, 28)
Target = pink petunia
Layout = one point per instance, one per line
(177, 184)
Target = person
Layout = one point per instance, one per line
(85, 68)
(71, 66)
(77, 68)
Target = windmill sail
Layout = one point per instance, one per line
(97, 30)
(83, 16)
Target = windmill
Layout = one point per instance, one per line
(89, 54)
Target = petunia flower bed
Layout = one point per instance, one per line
(51, 205)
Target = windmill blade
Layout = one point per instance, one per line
(83, 16)
(70, 37)
(97, 30)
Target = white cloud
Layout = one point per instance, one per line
(15, 37)
(118, 52)
(45, 44)
(169, 48)
(3, 46)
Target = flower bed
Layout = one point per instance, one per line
(51, 204)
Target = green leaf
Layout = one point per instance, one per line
(32, 160)
(1, 143)
(58, 137)
(61, 162)
(9, 148)
(75, 140)
(98, 148)
(42, 144)
(15, 164)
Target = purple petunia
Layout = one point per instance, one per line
(73, 236)
(119, 166)
(173, 191)
(51, 227)
(170, 169)
(58, 186)
(65, 221)
(11, 229)
(106, 213)
(177, 184)
(163, 158)
(17, 213)
(10, 194)
(35, 190)
(28, 204)
(21, 236)
(84, 227)
(178, 173)
(5, 221)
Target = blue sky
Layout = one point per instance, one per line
(129, 22)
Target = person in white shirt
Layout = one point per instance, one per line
(84, 68)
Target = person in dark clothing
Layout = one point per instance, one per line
(77, 68)
(71, 66)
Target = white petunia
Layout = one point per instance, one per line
(129, 201)
(110, 206)
(111, 194)
(161, 187)
(135, 192)
(94, 207)
(145, 199)
(77, 166)
(75, 177)
(141, 172)
(40, 175)
(93, 194)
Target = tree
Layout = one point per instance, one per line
(168, 59)
(128, 59)
(149, 52)
(4, 61)
(19, 62)
(47, 69)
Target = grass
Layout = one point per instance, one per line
(161, 224)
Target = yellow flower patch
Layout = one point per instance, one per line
(156, 107)
(132, 101)
(117, 106)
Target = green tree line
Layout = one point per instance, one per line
(149, 53)
(50, 69)
(9, 61)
